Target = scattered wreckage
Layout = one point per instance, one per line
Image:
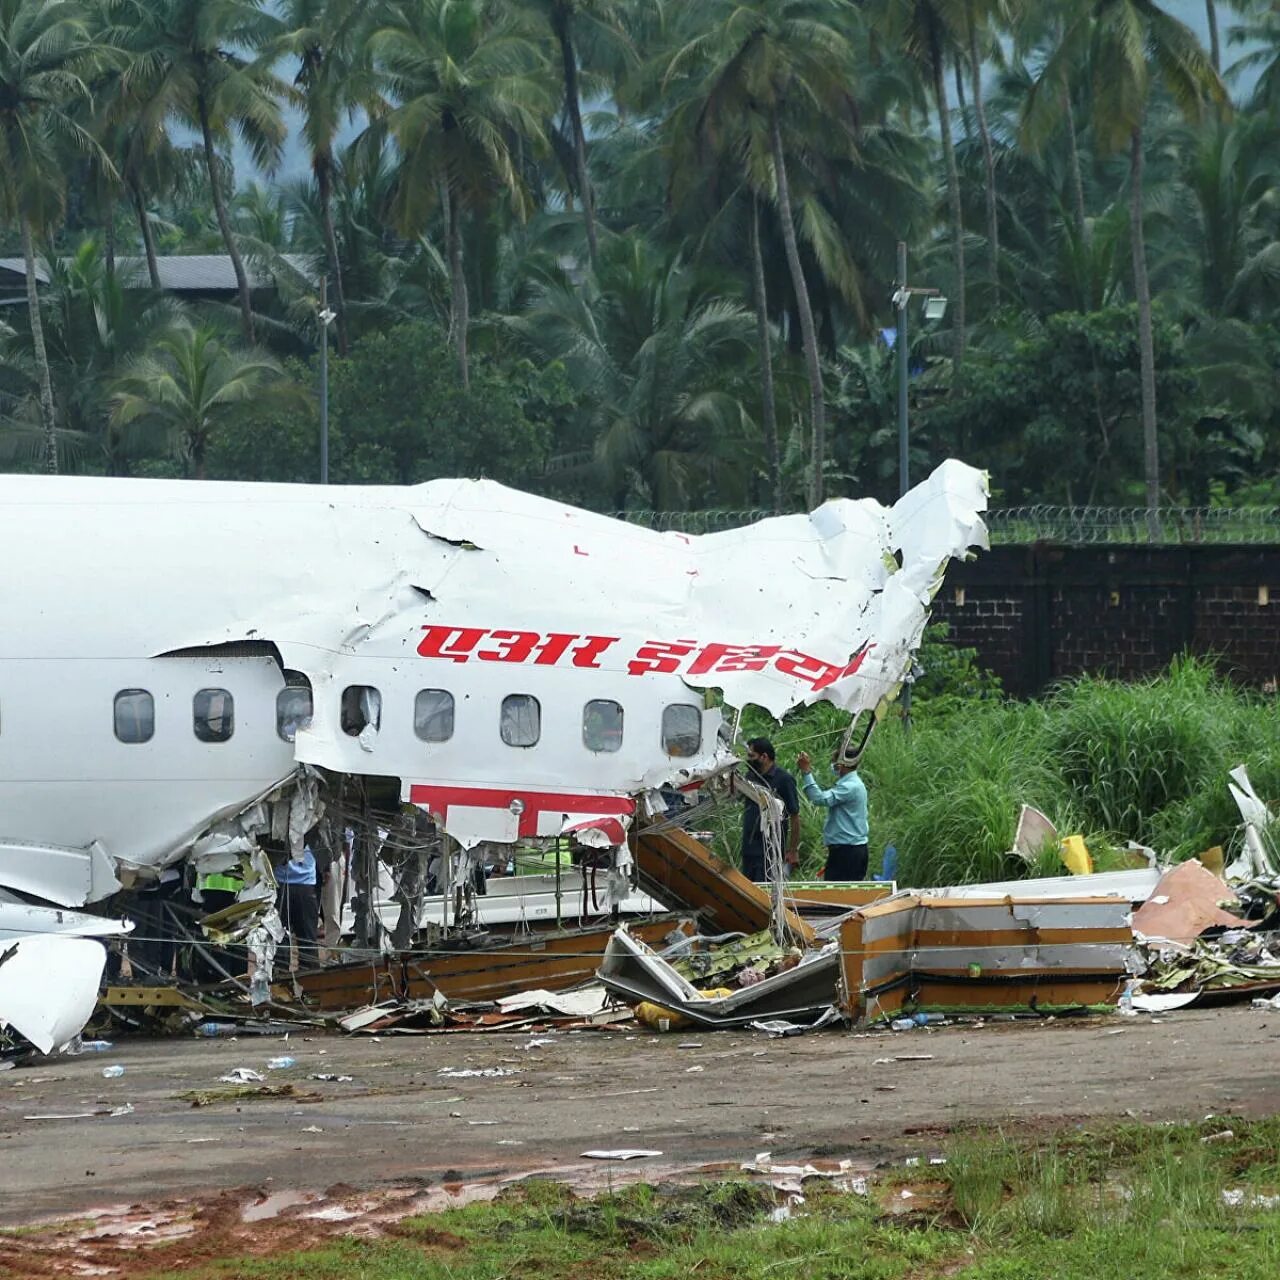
(209, 676)
(412, 676)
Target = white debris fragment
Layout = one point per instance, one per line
(467, 1073)
(242, 1075)
(623, 1153)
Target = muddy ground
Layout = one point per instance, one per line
(696, 1097)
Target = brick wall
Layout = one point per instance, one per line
(1041, 613)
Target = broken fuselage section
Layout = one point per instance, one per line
(189, 668)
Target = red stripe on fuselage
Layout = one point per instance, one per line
(440, 799)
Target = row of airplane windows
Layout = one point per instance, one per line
(519, 723)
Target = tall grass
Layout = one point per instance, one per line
(1113, 762)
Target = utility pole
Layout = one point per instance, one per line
(934, 308)
(326, 318)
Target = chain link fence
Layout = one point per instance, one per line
(1073, 526)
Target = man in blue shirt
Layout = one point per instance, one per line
(298, 906)
(845, 833)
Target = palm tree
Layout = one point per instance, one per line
(657, 359)
(573, 22)
(189, 385)
(1129, 45)
(979, 17)
(96, 324)
(1233, 175)
(930, 33)
(46, 54)
(205, 64)
(753, 64)
(467, 94)
(334, 82)
(1048, 105)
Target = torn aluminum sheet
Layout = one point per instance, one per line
(19, 919)
(510, 612)
(1034, 832)
(778, 1028)
(1188, 900)
(49, 986)
(1135, 886)
(1256, 863)
(633, 972)
(565, 1004)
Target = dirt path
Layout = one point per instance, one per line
(400, 1121)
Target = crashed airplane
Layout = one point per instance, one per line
(190, 667)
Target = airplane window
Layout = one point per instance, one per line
(681, 729)
(361, 707)
(293, 706)
(521, 724)
(213, 713)
(433, 715)
(602, 725)
(135, 715)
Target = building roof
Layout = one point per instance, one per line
(182, 273)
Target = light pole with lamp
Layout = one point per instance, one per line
(326, 318)
(935, 308)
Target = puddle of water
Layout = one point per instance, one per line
(275, 1204)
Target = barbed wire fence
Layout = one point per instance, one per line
(1070, 526)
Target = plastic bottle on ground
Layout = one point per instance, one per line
(112, 1073)
(903, 1024)
(279, 1064)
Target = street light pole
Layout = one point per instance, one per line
(935, 307)
(902, 297)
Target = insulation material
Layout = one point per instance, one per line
(929, 952)
(1187, 901)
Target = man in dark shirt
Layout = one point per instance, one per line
(763, 767)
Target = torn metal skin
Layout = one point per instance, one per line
(319, 619)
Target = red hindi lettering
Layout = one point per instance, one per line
(660, 657)
(814, 671)
(733, 657)
(510, 646)
(454, 643)
(553, 648)
(591, 648)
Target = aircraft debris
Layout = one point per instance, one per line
(803, 989)
(941, 951)
(49, 986)
(622, 1153)
(242, 1075)
(385, 619)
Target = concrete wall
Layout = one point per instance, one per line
(1041, 613)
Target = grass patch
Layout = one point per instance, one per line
(1114, 762)
(1111, 1203)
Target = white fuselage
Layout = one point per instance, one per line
(150, 628)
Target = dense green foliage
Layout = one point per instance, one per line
(646, 251)
(1115, 762)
